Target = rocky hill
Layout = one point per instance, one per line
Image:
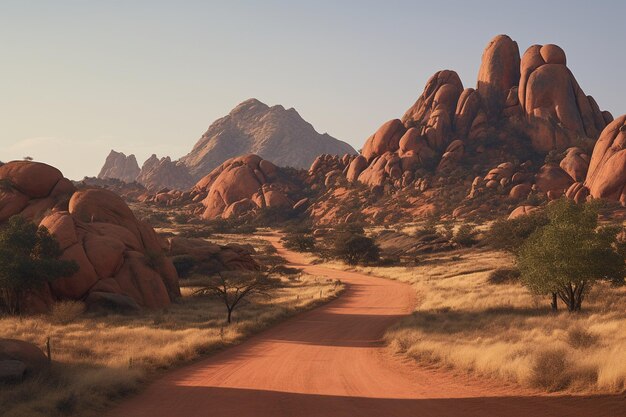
(274, 133)
(119, 166)
(164, 173)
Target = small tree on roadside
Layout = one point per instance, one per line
(355, 248)
(29, 258)
(234, 288)
(568, 255)
(299, 242)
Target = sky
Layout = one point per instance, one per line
(79, 78)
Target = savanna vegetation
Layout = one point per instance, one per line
(487, 310)
(99, 358)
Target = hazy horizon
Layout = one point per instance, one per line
(80, 78)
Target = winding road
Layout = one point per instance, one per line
(331, 362)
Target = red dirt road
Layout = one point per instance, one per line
(330, 362)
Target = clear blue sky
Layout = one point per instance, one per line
(78, 78)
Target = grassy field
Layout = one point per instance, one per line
(98, 359)
(464, 322)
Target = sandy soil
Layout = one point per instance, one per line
(331, 362)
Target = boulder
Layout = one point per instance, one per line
(31, 356)
(606, 177)
(386, 139)
(575, 163)
(551, 177)
(522, 211)
(557, 110)
(499, 71)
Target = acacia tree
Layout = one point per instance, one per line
(28, 259)
(233, 288)
(568, 255)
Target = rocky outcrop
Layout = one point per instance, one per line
(557, 111)
(162, 173)
(119, 166)
(115, 252)
(242, 185)
(274, 133)
(606, 177)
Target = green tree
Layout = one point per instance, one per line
(28, 259)
(568, 255)
(354, 248)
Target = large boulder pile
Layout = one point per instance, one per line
(115, 252)
(527, 108)
(243, 185)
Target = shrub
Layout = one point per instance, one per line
(549, 371)
(356, 248)
(65, 312)
(509, 235)
(299, 242)
(181, 218)
(29, 258)
(503, 276)
(465, 235)
(580, 338)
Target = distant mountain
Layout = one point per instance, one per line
(164, 173)
(274, 133)
(119, 166)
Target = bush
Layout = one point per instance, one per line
(29, 258)
(549, 371)
(581, 339)
(181, 218)
(299, 242)
(509, 235)
(356, 248)
(465, 235)
(65, 312)
(504, 276)
(184, 265)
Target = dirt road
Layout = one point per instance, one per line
(330, 362)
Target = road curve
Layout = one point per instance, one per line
(330, 362)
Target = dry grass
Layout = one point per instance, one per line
(502, 331)
(98, 359)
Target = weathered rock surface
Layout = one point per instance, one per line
(213, 257)
(606, 177)
(14, 352)
(242, 185)
(116, 253)
(274, 133)
(119, 166)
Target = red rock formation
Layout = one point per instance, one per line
(499, 72)
(606, 177)
(116, 253)
(241, 185)
(556, 108)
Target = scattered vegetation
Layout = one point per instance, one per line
(510, 234)
(99, 359)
